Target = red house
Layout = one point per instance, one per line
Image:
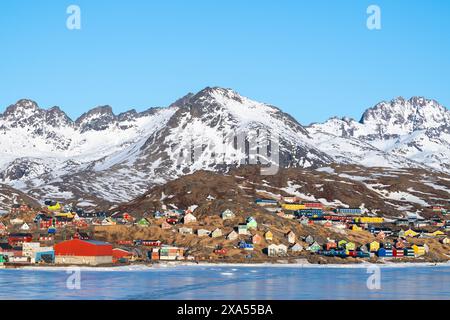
(313, 205)
(120, 254)
(45, 224)
(17, 239)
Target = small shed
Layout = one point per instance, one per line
(228, 215)
(251, 223)
(185, 230)
(216, 233)
(189, 218)
(25, 227)
(143, 223)
(291, 237)
(256, 239)
(315, 247)
(203, 233)
(268, 235)
(309, 240)
(233, 235)
(297, 247)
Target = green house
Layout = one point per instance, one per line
(251, 223)
(315, 247)
(143, 223)
(342, 243)
(350, 246)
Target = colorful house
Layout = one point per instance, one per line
(385, 253)
(293, 207)
(291, 237)
(143, 223)
(374, 246)
(54, 207)
(121, 254)
(243, 229)
(411, 233)
(268, 235)
(342, 243)
(437, 233)
(251, 223)
(246, 246)
(309, 239)
(189, 218)
(315, 247)
(275, 250)
(233, 235)
(203, 233)
(184, 230)
(331, 244)
(25, 227)
(355, 227)
(418, 250)
(228, 215)
(297, 247)
(369, 220)
(216, 233)
(350, 246)
(256, 239)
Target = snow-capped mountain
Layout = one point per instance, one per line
(408, 133)
(101, 156)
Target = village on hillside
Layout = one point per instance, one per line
(62, 235)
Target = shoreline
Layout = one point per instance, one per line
(175, 265)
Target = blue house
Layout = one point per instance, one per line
(244, 245)
(383, 252)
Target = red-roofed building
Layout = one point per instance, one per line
(84, 252)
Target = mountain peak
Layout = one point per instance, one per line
(21, 107)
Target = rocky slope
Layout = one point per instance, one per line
(390, 193)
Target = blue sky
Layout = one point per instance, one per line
(313, 59)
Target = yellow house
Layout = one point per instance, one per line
(68, 215)
(350, 246)
(293, 207)
(356, 228)
(268, 235)
(437, 233)
(369, 220)
(419, 250)
(56, 207)
(342, 243)
(374, 246)
(411, 233)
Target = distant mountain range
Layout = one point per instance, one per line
(103, 158)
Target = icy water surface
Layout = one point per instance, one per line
(228, 282)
